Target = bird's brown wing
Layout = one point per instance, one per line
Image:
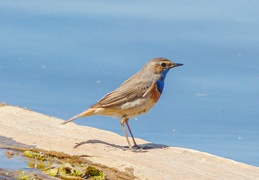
(125, 93)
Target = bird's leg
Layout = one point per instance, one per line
(123, 120)
(135, 144)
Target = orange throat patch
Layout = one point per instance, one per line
(154, 93)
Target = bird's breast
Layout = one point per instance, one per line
(156, 91)
(160, 86)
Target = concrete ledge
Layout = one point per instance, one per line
(104, 147)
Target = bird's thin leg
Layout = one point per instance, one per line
(135, 144)
(123, 120)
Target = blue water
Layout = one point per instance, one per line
(13, 163)
(59, 57)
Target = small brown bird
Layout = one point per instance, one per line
(135, 96)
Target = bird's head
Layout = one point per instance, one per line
(160, 65)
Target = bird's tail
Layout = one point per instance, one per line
(88, 112)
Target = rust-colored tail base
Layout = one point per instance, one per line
(88, 112)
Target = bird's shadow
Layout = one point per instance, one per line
(142, 146)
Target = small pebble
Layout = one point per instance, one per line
(9, 154)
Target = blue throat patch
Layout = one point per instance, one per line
(160, 82)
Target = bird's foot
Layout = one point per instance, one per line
(136, 148)
(141, 147)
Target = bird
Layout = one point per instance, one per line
(135, 96)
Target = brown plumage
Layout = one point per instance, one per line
(133, 97)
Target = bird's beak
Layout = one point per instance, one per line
(175, 65)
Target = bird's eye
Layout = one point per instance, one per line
(163, 64)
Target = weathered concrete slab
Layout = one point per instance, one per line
(161, 162)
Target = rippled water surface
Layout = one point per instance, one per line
(60, 57)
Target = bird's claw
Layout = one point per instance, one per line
(137, 148)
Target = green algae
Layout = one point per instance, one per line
(76, 170)
(36, 155)
(56, 164)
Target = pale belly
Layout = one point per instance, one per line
(128, 109)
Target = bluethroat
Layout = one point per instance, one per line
(133, 97)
